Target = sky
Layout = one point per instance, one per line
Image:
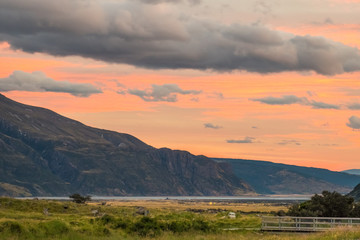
(273, 80)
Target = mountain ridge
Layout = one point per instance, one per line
(44, 153)
(278, 178)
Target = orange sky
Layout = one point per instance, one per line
(232, 103)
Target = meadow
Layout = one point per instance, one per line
(160, 219)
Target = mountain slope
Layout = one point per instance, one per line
(276, 178)
(44, 153)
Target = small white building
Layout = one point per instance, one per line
(232, 215)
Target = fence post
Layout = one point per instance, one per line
(279, 222)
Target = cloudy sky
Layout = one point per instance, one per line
(272, 80)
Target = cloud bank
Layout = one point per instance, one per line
(292, 99)
(245, 140)
(161, 93)
(354, 106)
(213, 126)
(322, 105)
(39, 82)
(284, 100)
(170, 1)
(158, 37)
(288, 142)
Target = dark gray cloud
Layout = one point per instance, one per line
(145, 35)
(327, 21)
(352, 91)
(217, 95)
(263, 7)
(311, 93)
(287, 142)
(322, 105)
(354, 122)
(39, 82)
(213, 126)
(161, 93)
(245, 140)
(354, 106)
(170, 1)
(284, 100)
(292, 99)
(328, 145)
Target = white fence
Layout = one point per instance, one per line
(306, 224)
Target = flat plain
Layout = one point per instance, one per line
(144, 219)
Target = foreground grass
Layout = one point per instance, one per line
(44, 219)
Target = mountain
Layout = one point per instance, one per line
(45, 154)
(352, 171)
(276, 178)
(355, 193)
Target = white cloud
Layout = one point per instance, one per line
(284, 100)
(354, 122)
(161, 93)
(39, 82)
(213, 126)
(245, 140)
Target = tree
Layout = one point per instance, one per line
(77, 198)
(326, 205)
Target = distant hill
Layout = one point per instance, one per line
(45, 154)
(355, 193)
(276, 178)
(352, 171)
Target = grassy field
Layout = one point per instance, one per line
(166, 219)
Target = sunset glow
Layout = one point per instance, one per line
(262, 80)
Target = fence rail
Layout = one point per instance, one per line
(306, 224)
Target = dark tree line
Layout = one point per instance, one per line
(328, 204)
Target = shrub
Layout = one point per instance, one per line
(120, 223)
(77, 198)
(201, 225)
(326, 205)
(54, 227)
(147, 227)
(11, 227)
(179, 226)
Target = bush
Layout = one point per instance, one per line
(201, 225)
(120, 224)
(54, 227)
(179, 226)
(147, 227)
(11, 227)
(77, 198)
(326, 205)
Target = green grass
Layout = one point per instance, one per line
(25, 219)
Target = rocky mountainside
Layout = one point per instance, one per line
(275, 178)
(45, 154)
